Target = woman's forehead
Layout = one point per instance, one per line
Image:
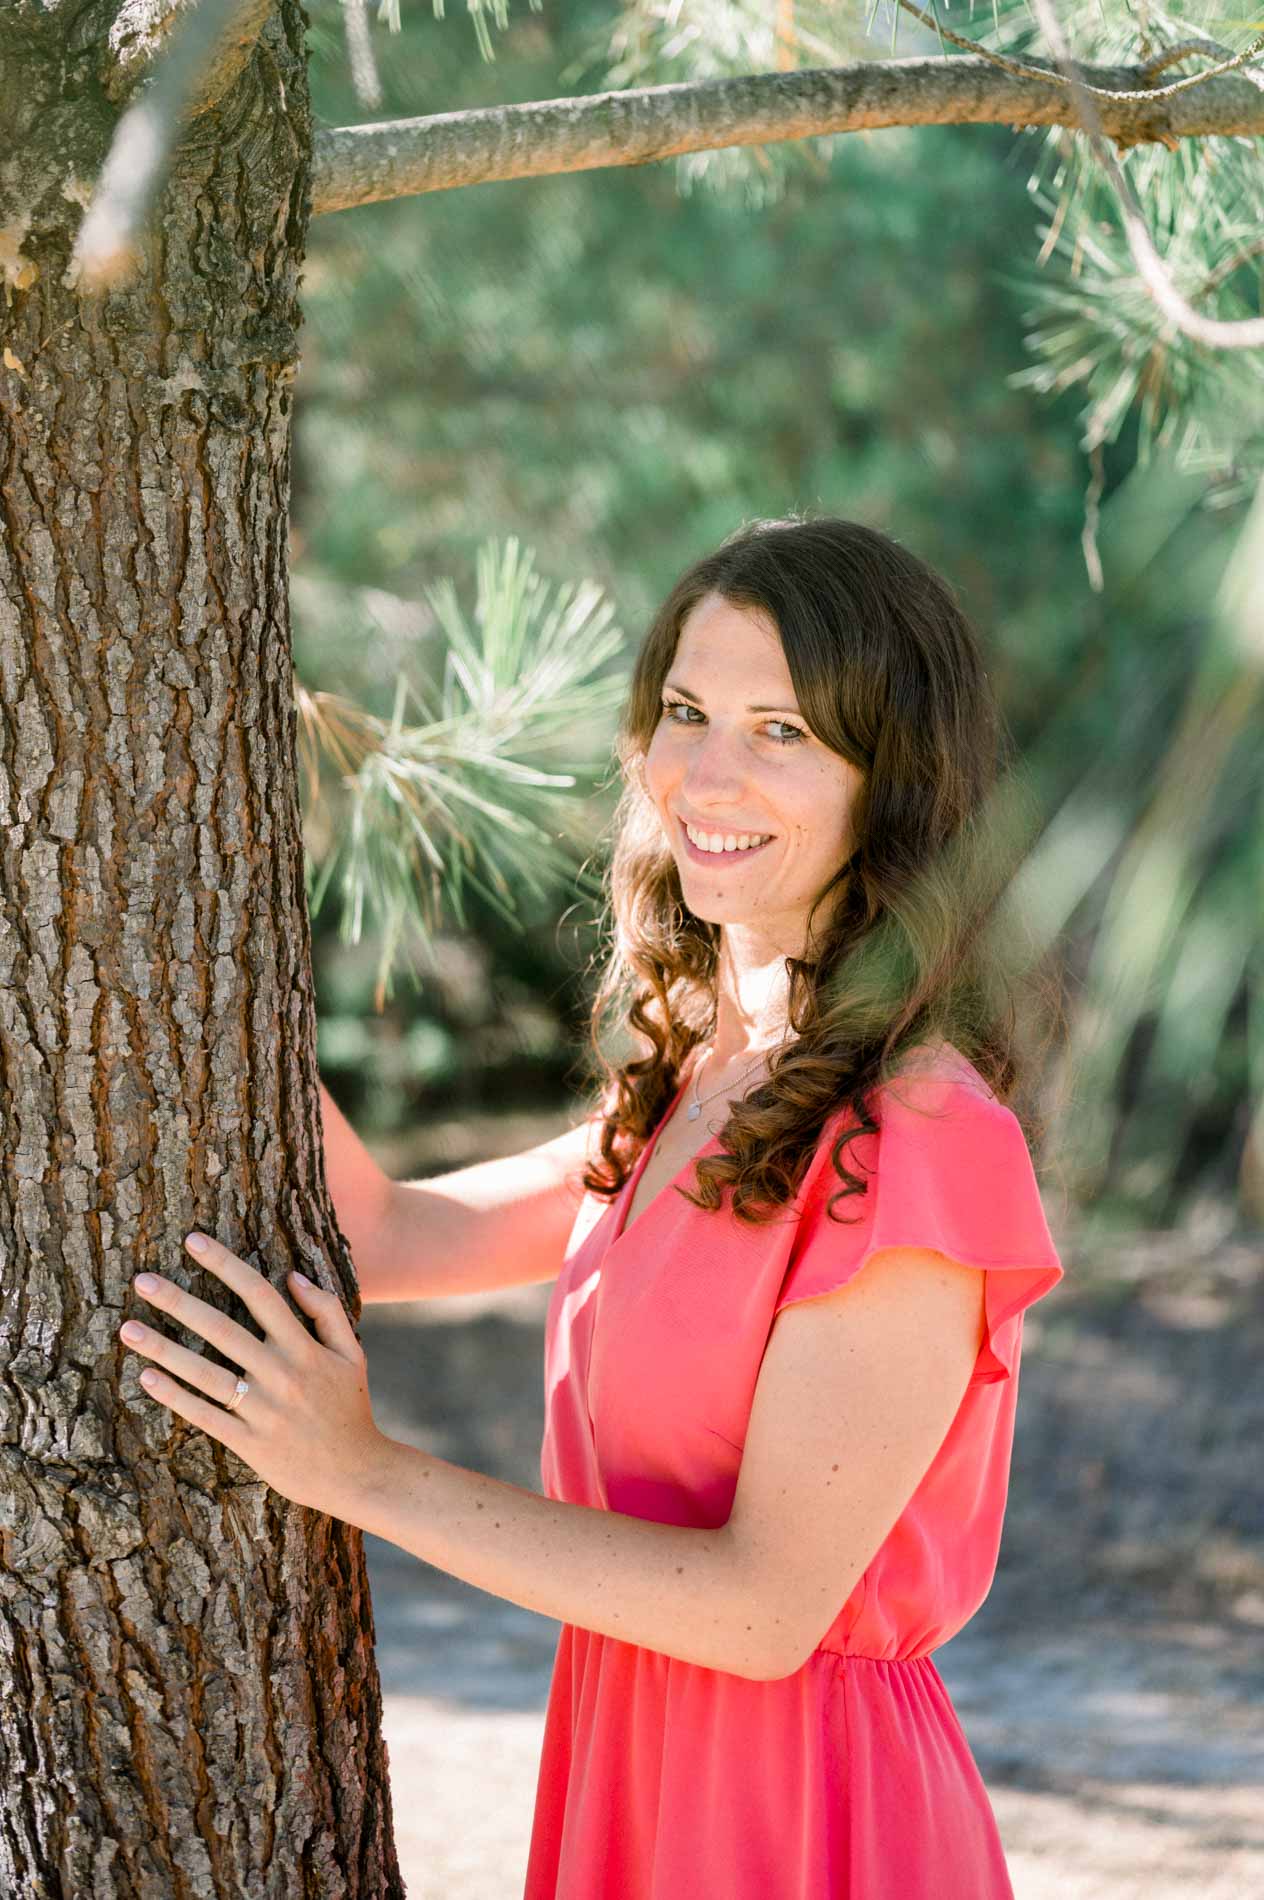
(718, 640)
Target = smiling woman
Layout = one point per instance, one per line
(799, 886)
(727, 775)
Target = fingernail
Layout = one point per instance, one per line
(145, 1282)
(133, 1331)
(198, 1242)
(301, 1278)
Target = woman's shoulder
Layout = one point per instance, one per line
(942, 1153)
(938, 1064)
(936, 1099)
(932, 1078)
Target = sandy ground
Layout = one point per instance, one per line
(1112, 1685)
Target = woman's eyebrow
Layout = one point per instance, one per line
(671, 686)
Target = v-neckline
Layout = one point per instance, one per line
(624, 1204)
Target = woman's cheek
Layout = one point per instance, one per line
(658, 772)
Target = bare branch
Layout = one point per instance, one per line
(1039, 70)
(1242, 334)
(1173, 55)
(208, 49)
(363, 164)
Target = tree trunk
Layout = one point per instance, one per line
(190, 1698)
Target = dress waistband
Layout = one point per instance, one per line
(856, 1655)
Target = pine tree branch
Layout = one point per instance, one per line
(462, 797)
(1229, 62)
(364, 164)
(1240, 334)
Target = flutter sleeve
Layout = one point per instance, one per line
(948, 1168)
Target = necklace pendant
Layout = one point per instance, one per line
(693, 1111)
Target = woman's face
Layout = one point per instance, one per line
(731, 759)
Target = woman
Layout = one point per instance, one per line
(778, 1427)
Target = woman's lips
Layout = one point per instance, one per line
(720, 857)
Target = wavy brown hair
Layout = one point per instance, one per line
(918, 946)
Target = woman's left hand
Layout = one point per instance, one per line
(306, 1424)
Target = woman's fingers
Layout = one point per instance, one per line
(236, 1342)
(265, 1302)
(218, 1382)
(332, 1320)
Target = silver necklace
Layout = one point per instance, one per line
(699, 1101)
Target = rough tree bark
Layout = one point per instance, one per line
(189, 1696)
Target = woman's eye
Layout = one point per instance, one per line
(788, 735)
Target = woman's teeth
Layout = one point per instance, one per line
(725, 840)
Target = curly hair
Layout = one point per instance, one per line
(919, 947)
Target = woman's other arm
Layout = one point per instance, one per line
(496, 1224)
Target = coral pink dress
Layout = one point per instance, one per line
(852, 1778)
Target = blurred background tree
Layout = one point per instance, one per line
(937, 329)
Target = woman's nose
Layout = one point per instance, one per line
(713, 771)
(717, 791)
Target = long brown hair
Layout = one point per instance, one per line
(888, 672)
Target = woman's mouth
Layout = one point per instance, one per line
(722, 847)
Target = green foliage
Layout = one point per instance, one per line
(462, 798)
(1097, 326)
(938, 330)
(327, 24)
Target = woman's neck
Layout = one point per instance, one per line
(752, 1002)
(734, 1052)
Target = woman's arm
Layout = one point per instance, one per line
(360, 1189)
(856, 1393)
(496, 1224)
